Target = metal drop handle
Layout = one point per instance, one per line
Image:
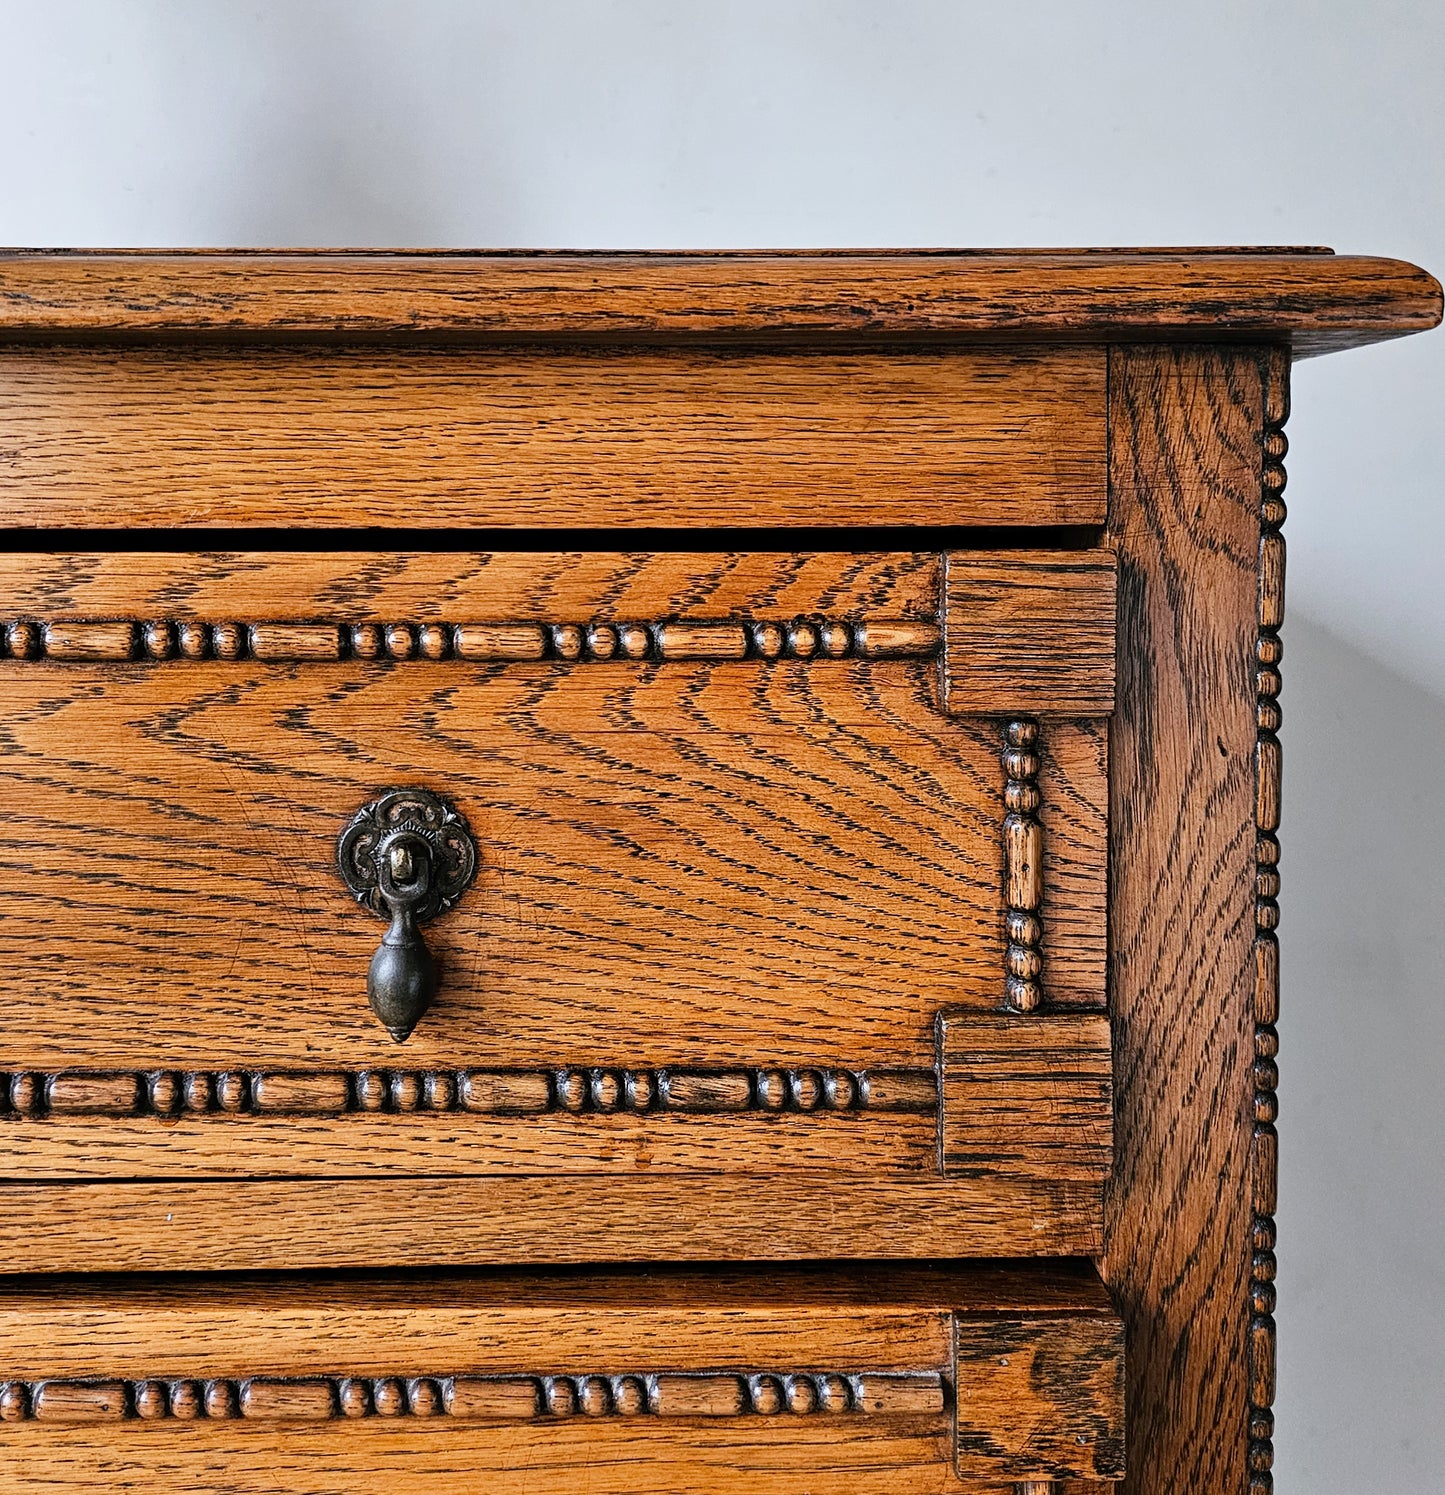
(407, 856)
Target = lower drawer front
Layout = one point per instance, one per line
(768, 1380)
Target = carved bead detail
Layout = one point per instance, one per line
(187, 1401)
(766, 1394)
(327, 1398)
(22, 641)
(423, 1397)
(433, 641)
(220, 1399)
(353, 1397)
(194, 640)
(163, 1091)
(228, 641)
(159, 640)
(150, 1399)
(162, 639)
(579, 1092)
(388, 1398)
(400, 641)
(1023, 844)
(635, 641)
(1269, 650)
(26, 1093)
(367, 641)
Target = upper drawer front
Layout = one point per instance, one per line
(748, 899)
(154, 437)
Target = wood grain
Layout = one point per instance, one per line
(1061, 1379)
(532, 1147)
(1028, 1093)
(527, 586)
(869, 1318)
(1028, 631)
(516, 440)
(690, 865)
(766, 1350)
(1186, 443)
(1264, 1163)
(407, 1456)
(502, 1220)
(1316, 300)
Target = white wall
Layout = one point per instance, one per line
(900, 122)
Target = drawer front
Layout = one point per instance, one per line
(910, 1380)
(785, 864)
(452, 437)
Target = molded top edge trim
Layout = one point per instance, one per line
(1315, 300)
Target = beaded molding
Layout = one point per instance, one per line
(322, 1398)
(1023, 844)
(166, 1093)
(126, 640)
(1264, 1170)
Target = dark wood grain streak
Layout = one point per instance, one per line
(1316, 300)
(1187, 430)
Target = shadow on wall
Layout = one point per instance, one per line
(1362, 1207)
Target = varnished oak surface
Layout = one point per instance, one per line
(1317, 301)
(715, 926)
(1186, 475)
(685, 865)
(748, 1380)
(882, 1318)
(357, 437)
(793, 706)
(527, 586)
(395, 1222)
(739, 863)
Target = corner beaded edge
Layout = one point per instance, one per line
(1264, 1159)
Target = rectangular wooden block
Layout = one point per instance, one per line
(449, 437)
(1026, 1093)
(1029, 632)
(1057, 1380)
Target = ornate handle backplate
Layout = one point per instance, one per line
(407, 856)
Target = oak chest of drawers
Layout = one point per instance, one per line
(645, 873)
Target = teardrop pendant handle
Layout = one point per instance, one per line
(407, 856)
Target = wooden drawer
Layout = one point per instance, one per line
(759, 1382)
(541, 437)
(791, 877)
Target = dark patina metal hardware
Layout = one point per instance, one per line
(407, 856)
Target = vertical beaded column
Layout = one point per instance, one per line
(1023, 847)
(1265, 1155)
